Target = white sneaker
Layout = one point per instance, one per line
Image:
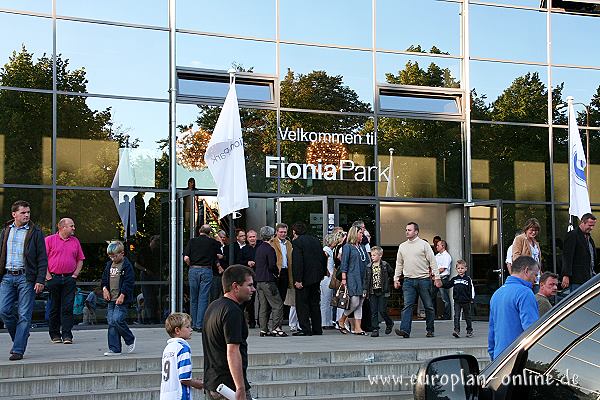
(111, 353)
(130, 347)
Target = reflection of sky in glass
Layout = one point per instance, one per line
(580, 46)
(353, 65)
(492, 78)
(401, 24)
(342, 22)
(148, 12)
(220, 53)
(17, 30)
(125, 61)
(526, 3)
(220, 89)
(508, 33)
(423, 104)
(579, 83)
(42, 6)
(393, 63)
(236, 17)
(144, 120)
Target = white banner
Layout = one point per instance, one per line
(579, 202)
(225, 157)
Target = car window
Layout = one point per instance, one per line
(565, 362)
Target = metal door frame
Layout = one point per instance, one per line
(376, 203)
(499, 232)
(288, 199)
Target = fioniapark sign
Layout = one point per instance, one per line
(342, 170)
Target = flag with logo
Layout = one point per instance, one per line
(225, 157)
(579, 201)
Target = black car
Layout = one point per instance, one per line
(558, 357)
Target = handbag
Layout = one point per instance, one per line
(341, 298)
(336, 279)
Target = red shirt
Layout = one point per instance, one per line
(63, 255)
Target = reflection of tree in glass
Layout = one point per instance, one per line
(434, 391)
(413, 74)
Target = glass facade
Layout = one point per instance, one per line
(84, 115)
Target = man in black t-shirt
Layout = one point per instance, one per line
(224, 340)
(201, 254)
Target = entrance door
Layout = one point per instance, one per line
(348, 211)
(485, 251)
(310, 210)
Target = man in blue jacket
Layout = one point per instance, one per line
(23, 265)
(513, 307)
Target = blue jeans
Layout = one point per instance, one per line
(16, 289)
(117, 326)
(200, 283)
(445, 293)
(412, 288)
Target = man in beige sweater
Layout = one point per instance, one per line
(415, 264)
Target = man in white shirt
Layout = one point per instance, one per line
(444, 263)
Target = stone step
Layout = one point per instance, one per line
(153, 394)
(129, 363)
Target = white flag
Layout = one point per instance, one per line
(579, 202)
(390, 190)
(225, 157)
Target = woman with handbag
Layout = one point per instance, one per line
(354, 264)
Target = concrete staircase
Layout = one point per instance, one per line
(301, 375)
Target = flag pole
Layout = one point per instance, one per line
(570, 99)
(232, 237)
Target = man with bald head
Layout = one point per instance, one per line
(65, 259)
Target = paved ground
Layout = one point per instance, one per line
(91, 343)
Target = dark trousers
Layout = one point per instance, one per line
(216, 290)
(379, 307)
(466, 309)
(62, 295)
(308, 307)
(249, 307)
(283, 284)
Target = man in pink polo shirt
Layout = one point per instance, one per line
(65, 259)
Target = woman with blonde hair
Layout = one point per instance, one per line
(526, 244)
(326, 293)
(354, 264)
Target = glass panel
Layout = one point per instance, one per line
(325, 154)
(98, 220)
(562, 223)
(39, 199)
(329, 79)
(309, 212)
(199, 51)
(517, 93)
(351, 212)
(96, 136)
(517, 160)
(584, 86)
(568, 30)
(114, 60)
(150, 12)
(427, 158)
(418, 70)
(509, 34)
(259, 129)
(25, 137)
(220, 89)
(585, 386)
(421, 104)
(526, 3)
(25, 51)
(42, 6)
(561, 166)
(427, 26)
(238, 17)
(340, 22)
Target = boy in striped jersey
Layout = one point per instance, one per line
(177, 360)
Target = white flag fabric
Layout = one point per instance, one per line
(225, 157)
(579, 202)
(390, 190)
